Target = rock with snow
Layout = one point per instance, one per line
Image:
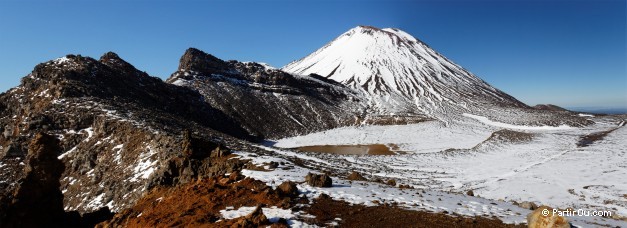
(119, 130)
(318, 180)
(270, 103)
(254, 219)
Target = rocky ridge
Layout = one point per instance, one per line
(121, 131)
(269, 103)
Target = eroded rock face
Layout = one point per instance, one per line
(119, 130)
(199, 158)
(37, 201)
(199, 61)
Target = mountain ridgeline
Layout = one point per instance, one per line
(269, 103)
(122, 132)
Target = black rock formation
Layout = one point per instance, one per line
(267, 102)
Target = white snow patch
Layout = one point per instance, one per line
(61, 60)
(145, 165)
(273, 214)
(487, 121)
(95, 203)
(69, 152)
(118, 153)
(425, 137)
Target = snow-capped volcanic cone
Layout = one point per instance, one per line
(400, 74)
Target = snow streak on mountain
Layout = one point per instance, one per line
(400, 74)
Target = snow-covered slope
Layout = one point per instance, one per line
(546, 166)
(400, 74)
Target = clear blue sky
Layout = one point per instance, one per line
(569, 53)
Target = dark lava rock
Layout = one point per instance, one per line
(38, 201)
(199, 148)
(319, 180)
(12, 150)
(267, 99)
(199, 61)
(273, 165)
(287, 188)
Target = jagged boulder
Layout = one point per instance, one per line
(287, 188)
(198, 148)
(319, 180)
(199, 61)
(254, 219)
(38, 202)
(12, 150)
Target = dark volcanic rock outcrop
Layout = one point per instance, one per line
(267, 102)
(319, 180)
(37, 201)
(195, 60)
(119, 130)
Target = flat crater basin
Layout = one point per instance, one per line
(373, 149)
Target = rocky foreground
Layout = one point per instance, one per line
(38, 201)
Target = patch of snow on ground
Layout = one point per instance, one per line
(95, 203)
(487, 121)
(61, 60)
(90, 132)
(118, 153)
(273, 214)
(69, 152)
(146, 165)
(426, 137)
